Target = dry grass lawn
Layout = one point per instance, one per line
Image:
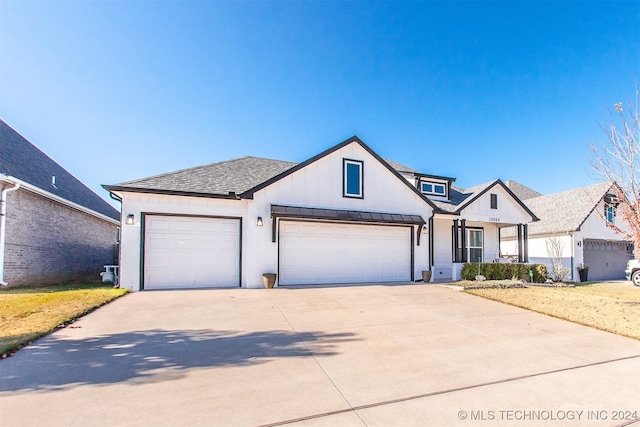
(610, 306)
(27, 313)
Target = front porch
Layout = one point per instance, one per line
(455, 241)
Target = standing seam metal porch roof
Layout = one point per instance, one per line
(344, 215)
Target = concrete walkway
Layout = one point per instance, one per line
(341, 356)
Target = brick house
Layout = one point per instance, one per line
(53, 228)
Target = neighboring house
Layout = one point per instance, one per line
(343, 216)
(577, 221)
(53, 228)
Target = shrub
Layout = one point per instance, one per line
(502, 271)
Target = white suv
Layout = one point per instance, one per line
(633, 271)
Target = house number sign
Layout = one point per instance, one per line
(494, 219)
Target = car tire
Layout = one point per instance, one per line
(635, 278)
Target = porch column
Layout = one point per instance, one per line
(430, 243)
(525, 242)
(520, 254)
(455, 253)
(463, 238)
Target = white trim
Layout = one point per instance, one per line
(360, 165)
(32, 188)
(433, 185)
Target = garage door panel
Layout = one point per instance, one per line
(191, 252)
(607, 260)
(343, 253)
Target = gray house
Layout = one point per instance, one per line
(53, 228)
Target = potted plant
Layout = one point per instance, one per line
(426, 276)
(269, 279)
(583, 271)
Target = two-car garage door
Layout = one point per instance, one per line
(191, 252)
(203, 252)
(324, 252)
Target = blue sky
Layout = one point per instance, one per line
(118, 90)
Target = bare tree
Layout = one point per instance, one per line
(618, 161)
(555, 250)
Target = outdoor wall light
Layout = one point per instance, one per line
(130, 219)
(259, 221)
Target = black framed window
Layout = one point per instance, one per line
(474, 243)
(352, 174)
(433, 188)
(494, 201)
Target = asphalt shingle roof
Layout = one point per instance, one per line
(246, 173)
(564, 211)
(400, 167)
(522, 191)
(23, 160)
(221, 178)
(236, 175)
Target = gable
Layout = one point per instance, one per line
(320, 182)
(495, 203)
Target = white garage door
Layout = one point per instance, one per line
(319, 253)
(191, 252)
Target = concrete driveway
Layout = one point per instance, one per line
(348, 356)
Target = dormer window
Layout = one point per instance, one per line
(433, 188)
(352, 178)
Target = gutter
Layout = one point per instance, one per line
(431, 240)
(37, 190)
(573, 254)
(3, 226)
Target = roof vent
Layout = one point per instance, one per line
(611, 199)
(53, 181)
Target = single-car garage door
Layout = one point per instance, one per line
(606, 259)
(312, 252)
(191, 252)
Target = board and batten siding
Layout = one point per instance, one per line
(319, 184)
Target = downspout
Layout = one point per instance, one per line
(573, 255)
(119, 243)
(431, 241)
(3, 227)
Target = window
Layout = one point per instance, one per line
(494, 201)
(610, 213)
(352, 178)
(433, 188)
(474, 245)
